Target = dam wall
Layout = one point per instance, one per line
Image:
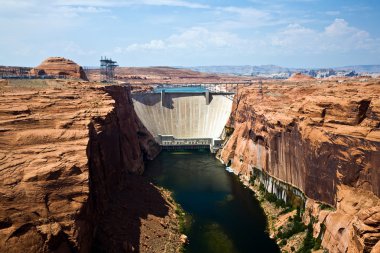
(197, 117)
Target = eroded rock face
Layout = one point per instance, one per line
(353, 226)
(66, 149)
(316, 136)
(300, 77)
(59, 66)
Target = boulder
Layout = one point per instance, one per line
(184, 239)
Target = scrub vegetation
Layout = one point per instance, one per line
(292, 235)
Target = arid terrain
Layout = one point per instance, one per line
(69, 164)
(166, 75)
(323, 137)
(73, 152)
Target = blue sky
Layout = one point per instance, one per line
(291, 33)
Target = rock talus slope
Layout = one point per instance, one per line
(66, 150)
(323, 138)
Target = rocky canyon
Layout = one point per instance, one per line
(73, 152)
(323, 138)
(70, 159)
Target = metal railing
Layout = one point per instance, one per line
(213, 87)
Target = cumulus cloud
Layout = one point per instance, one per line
(254, 31)
(196, 38)
(151, 45)
(339, 36)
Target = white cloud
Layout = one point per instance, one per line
(152, 45)
(195, 38)
(200, 37)
(295, 39)
(339, 36)
(259, 29)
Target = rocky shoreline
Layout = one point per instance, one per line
(277, 216)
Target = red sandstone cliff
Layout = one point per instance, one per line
(68, 154)
(323, 138)
(59, 66)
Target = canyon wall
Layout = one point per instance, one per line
(67, 149)
(322, 138)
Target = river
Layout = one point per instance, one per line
(225, 215)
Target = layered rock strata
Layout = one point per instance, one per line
(59, 66)
(68, 154)
(322, 138)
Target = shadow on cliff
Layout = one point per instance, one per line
(149, 99)
(119, 198)
(119, 227)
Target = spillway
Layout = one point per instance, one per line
(184, 119)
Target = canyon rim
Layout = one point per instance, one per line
(189, 126)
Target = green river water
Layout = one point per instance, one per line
(225, 216)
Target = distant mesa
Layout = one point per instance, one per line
(59, 66)
(300, 77)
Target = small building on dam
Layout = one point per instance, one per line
(184, 117)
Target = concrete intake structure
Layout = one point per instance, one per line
(184, 119)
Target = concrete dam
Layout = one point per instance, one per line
(184, 117)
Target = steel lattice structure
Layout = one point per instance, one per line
(107, 69)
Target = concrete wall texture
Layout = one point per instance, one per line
(183, 115)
